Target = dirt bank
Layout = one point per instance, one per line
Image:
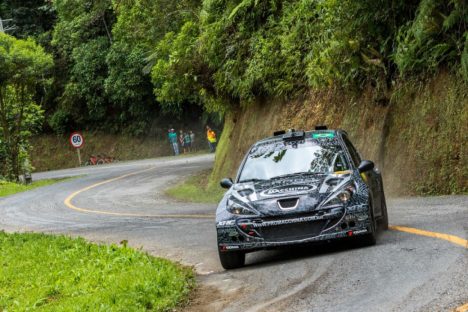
(417, 135)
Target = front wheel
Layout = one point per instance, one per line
(232, 259)
(371, 238)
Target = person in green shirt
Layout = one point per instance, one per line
(172, 135)
(187, 142)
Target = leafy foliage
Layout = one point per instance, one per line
(272, 48)
(436, 36)
(23, 68)
(121, 63)
(107, 46)
(28, 18)
(82, 38)
(175, 74)
(127, 88)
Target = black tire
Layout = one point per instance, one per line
(371, 238)
(384, 222)
(232, 259)
(100, 162)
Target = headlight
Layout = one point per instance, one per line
(237, 208)
(344, 196)
(340, 198)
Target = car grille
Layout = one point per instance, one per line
(294, 231)
(289, 203)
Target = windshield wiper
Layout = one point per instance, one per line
(252, 180)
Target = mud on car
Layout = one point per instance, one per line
(299, 187)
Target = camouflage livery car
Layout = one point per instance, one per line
(299, 187)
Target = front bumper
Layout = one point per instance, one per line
(256, 233)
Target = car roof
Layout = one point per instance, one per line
(282, 134)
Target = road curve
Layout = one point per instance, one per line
(405, 271)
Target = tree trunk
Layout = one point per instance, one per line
(14, 158)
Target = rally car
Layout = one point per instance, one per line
(299, 187)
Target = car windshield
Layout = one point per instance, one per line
(268, 161)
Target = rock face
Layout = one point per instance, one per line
(416, 136)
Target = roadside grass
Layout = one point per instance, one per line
(59, 273)
(9, 188)
(195, 189)
(51, 152)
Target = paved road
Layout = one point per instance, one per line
(403, 272)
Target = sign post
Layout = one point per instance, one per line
(77, 141)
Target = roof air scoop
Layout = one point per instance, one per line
(294, 136)
(321, 127)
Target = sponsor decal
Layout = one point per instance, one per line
(291, 221)
(323, 135)
(288, 189)
(226, 223)
(358, 208)
(359, 231)
(232, 247)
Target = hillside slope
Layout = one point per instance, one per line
(418, 138)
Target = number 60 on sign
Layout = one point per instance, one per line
(76, 140)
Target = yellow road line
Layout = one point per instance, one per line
(69, 204)
(463, 308)
(451, 238)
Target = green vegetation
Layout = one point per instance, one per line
(195, 189)
(118, 64)
(131, 66)
(9, 188)
(242, 50)
(23, 66)
(57, 273)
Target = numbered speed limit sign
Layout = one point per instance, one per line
(76, 140)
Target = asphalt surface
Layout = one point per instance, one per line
(403, 272)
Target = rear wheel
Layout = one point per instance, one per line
(384, 214)
(232, 259)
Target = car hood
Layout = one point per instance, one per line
(310, 190)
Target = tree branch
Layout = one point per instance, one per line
(107, 28)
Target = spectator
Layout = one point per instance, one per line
(181, 140)
(211, 136)
(173, 141)
(192, 140)
(187, 142)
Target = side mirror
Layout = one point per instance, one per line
(365, 165)
(226, 183)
